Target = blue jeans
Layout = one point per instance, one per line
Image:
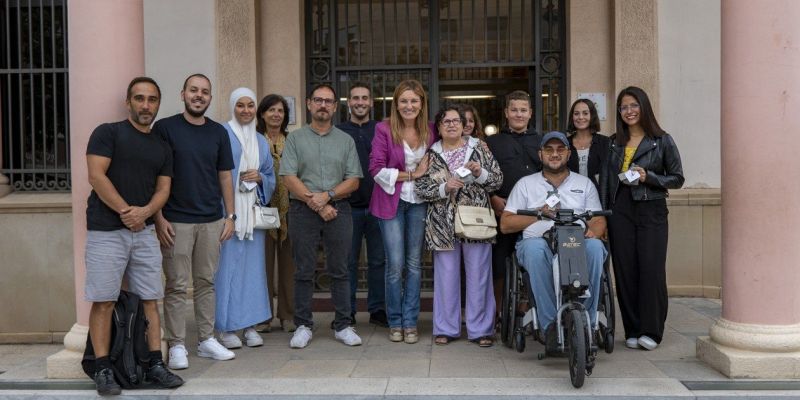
(366, 225)
(402, 239)
(534, 255)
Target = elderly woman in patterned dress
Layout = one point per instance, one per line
(444, 190)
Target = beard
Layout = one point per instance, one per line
(196, 114)
(321, 116)
(143, 119)
(560, 169)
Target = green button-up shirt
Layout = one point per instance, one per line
(320, 161)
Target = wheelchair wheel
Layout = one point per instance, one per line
(607, 301)
(519, 339)
(576, 340)
(507, 313)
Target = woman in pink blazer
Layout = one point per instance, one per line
(397, 159)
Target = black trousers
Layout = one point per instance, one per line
(306, 230)
(638, 233)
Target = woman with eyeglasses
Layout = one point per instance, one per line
(397, 159)
(272, 118)
(643, 164)
(445, 186)
(589, 147)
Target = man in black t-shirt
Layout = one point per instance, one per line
(516, 149)
(130, 170)
(365, 226)
(197, 218)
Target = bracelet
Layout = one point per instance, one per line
(409, 175)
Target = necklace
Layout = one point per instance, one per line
(582, 144)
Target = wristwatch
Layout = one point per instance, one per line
(231, 217)
(331, 194)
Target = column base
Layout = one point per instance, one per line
(66, 364)
(752, 351)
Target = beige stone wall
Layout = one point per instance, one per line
(591, 53)
(636, 47)
(179, 40)
(694, 252)
(236, 51)
(281, 50)
(37, 286)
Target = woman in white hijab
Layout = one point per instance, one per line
(241, 280)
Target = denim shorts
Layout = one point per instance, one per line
(114, 255)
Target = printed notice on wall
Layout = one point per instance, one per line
(599, 100)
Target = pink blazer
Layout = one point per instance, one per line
(387, 154)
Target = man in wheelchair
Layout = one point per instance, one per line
(552, 189)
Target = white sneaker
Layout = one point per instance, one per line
(647, 342)
(210, 348)
(252, 338)
(632, 343)
(177, 357)
(301, 337)
(230, 340)
(348, 336)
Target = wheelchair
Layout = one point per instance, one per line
(577, 339)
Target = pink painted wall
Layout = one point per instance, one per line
(106, 51)
(760, 214)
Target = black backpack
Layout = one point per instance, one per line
(128, 350)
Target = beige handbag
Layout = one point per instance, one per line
(476, 223)
(265, 217)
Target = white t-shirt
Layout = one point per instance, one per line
(583, 162)
(387, 177)
(577, 192)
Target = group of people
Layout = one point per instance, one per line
(178, 199)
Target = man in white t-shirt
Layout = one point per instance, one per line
(573, 191)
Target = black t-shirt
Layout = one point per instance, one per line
(199, 152)
(362, 135)
(137, 160)
(517, 154)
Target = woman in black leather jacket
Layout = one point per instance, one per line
(638, 228)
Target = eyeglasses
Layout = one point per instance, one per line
(320, 101)
(550, 150)
(632, 107)
(451, 122)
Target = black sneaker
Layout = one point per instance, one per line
(162, 377)
(105, 382)
(379, 318)
(352, 321)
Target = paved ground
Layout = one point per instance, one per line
(382, 369)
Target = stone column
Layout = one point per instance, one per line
(281, 50)
(758, 335)
(106, 51)
(636, 49)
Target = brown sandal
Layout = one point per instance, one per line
(485, 341)
(441, 340)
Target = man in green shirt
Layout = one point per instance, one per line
(320, 168)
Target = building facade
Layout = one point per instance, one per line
(471, 50)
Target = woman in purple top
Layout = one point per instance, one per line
(397, 159)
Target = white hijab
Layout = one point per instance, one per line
(249, 160)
